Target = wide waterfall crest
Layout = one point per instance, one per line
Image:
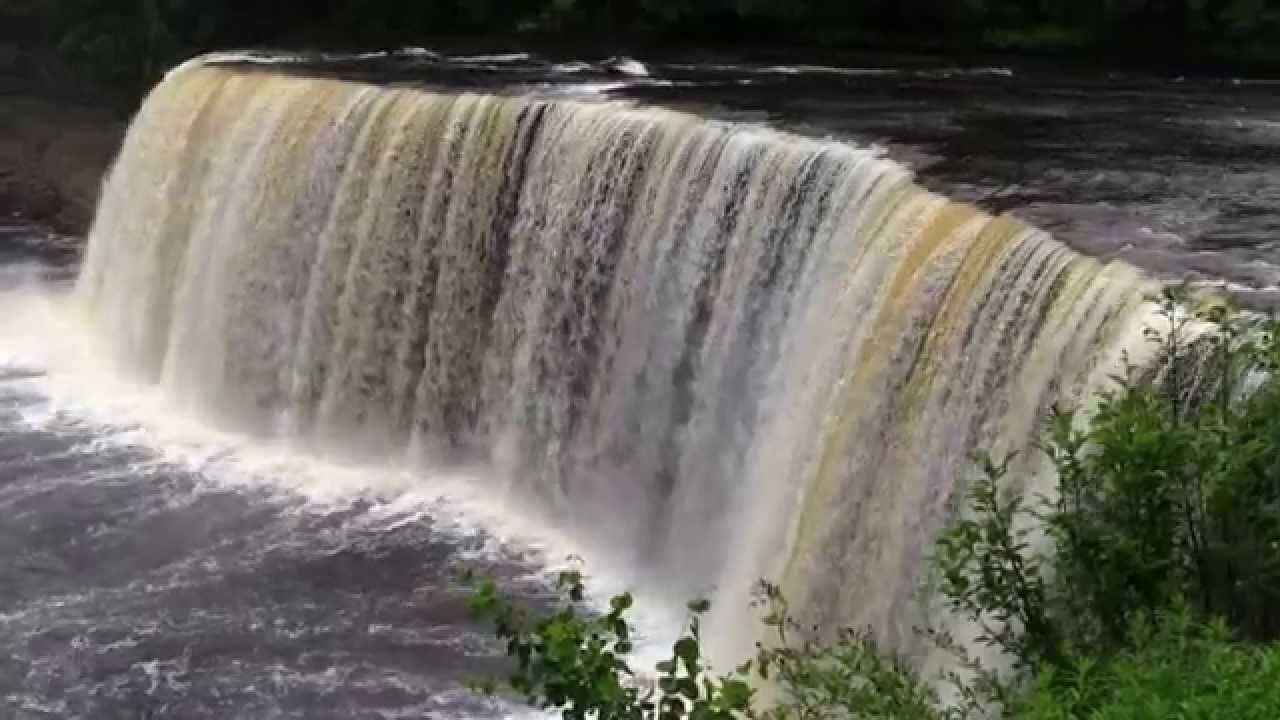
(731, 352)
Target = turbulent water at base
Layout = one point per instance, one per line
(717, 352)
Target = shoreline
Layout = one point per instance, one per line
(53, 156)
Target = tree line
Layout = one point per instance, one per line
(125, 43)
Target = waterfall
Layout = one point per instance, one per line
(722, 351)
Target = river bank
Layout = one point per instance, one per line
(53, 156)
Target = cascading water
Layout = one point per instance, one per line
(723, 352)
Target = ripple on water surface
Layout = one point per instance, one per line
(134, 585)
(140, 579)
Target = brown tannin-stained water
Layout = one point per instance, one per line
(345, 326)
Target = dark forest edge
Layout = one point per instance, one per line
(120, 47)
(1145, 586)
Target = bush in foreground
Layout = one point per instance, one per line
(1175, 668)
(575, 663)
(1158, 597)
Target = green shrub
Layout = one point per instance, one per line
(1173, 493)
(1175, 669)
(849, 677)
(575, 663)
(1167, 506)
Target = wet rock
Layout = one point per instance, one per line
(52, 160)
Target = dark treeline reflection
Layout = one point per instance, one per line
(124, 42)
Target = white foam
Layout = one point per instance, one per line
(495, 58)
(420, 52)
(992, 71)
(582, 89)
(824, 70)
(603, 88)
(244, 57)
(40, 332)
(627, 66)
(253, 57)
(571, 68)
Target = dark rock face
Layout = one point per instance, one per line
(52, 159)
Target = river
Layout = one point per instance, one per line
(153, 564)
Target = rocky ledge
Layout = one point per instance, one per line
(52, 159)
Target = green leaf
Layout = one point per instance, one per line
(736, 694)
(686, 648)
